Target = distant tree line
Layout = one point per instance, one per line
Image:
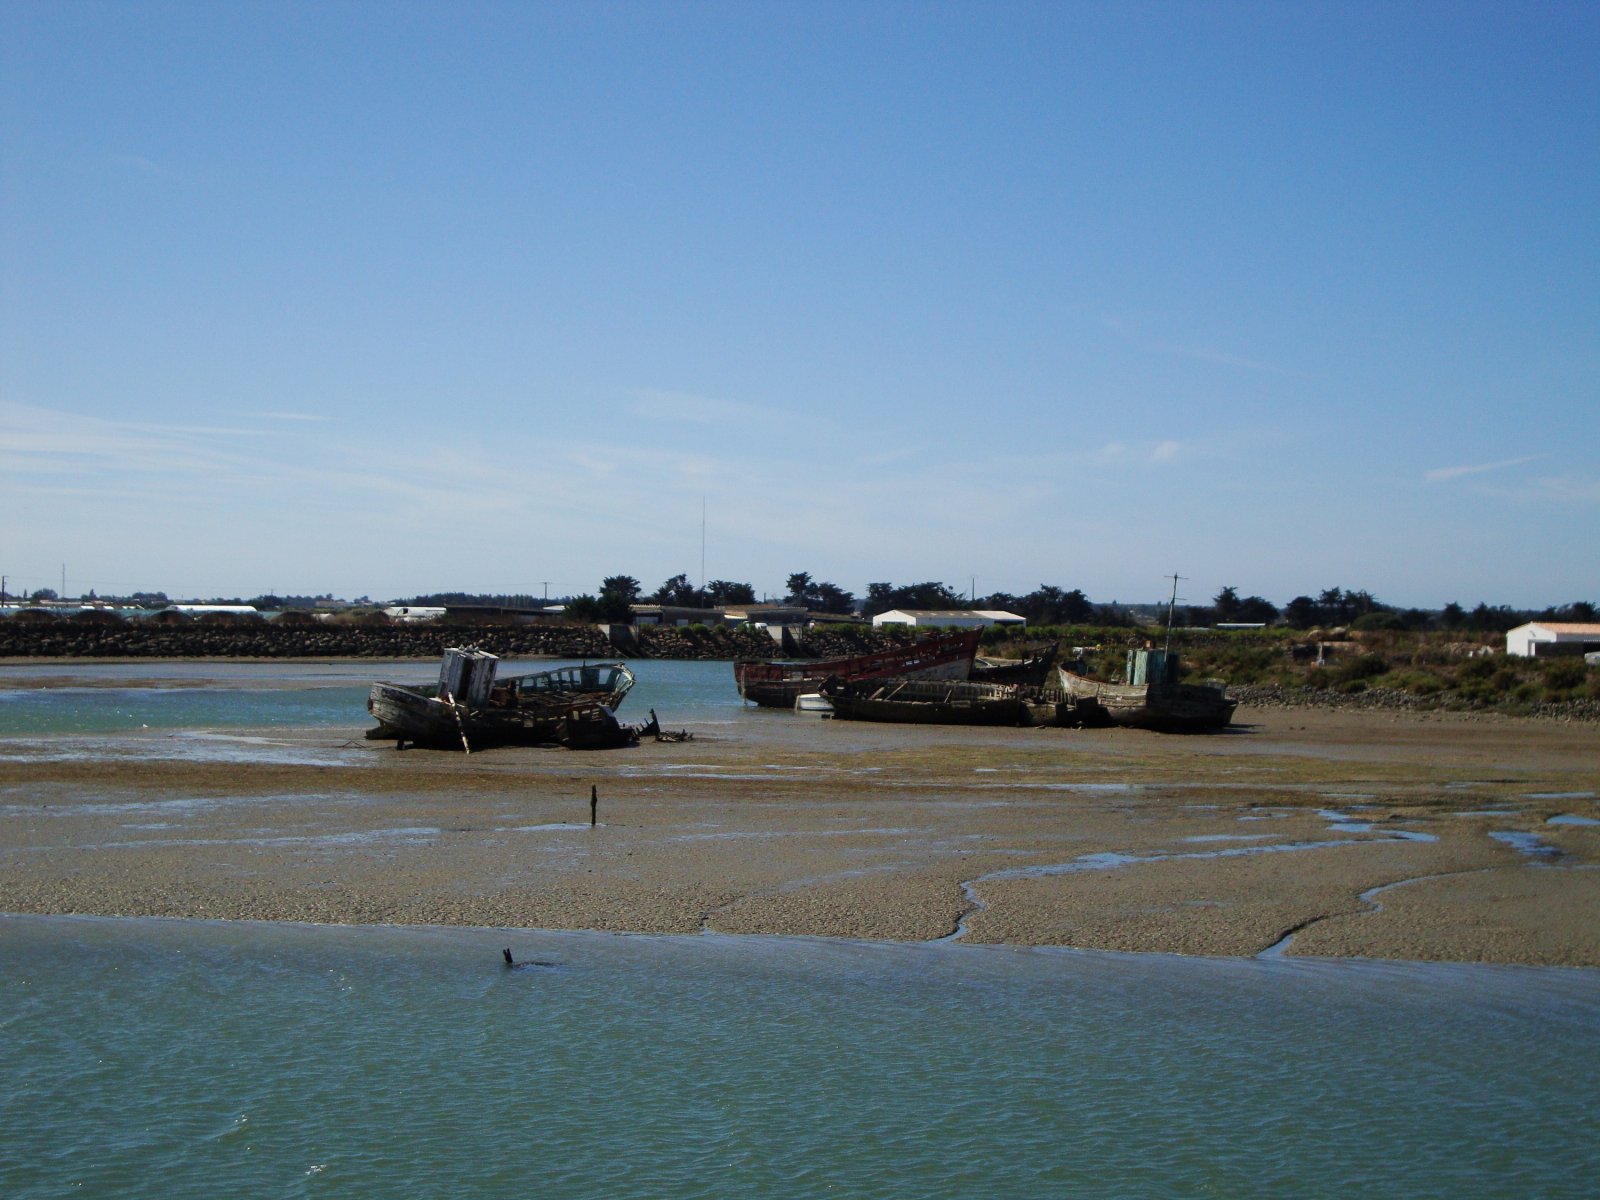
(1361, 610)
(1047, 604)
(474, 600)
(619, 593)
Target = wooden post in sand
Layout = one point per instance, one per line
(594, 804)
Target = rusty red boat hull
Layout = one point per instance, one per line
(780, 684)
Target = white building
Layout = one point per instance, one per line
(410, 614)
(947, 618)
(1543, 639)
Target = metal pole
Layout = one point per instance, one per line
(1171, 608)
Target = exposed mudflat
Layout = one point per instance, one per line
(1366, 834)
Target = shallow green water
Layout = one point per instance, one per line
(204, 1059)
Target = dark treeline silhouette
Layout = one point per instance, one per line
(1048, 604)
(1361, 610)
(474, 599)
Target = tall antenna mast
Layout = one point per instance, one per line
(702, 547)
(1172, 607)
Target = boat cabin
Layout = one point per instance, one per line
(1152, 666)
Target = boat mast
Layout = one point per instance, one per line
(1172, 606)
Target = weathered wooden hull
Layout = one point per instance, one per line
(780, 684)
(1166, 707)
(566, 706)
(405, 714)
(932, 702)
(1034, 670)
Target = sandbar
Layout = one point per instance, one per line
(1299, 832)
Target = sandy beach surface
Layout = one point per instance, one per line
(1386, 836)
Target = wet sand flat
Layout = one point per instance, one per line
(1389, 836)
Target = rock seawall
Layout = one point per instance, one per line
(63, 639)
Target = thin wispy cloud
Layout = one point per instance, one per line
(1114, 454)
(1111, 453)
(1165, 452)
(1135, 338)
(41, 441)
(684, 406)
(641, 462)
(1443, 474)
(1574, 491)
(1222, 359)
(1552, 489)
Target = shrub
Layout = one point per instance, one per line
(1565, 673)
(1504, 679)
(1420, 683)
(1363, 666)
(1378, 621)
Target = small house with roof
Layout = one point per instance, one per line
(1547, 639)
(948, 618)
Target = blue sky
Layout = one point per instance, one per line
(392, 298)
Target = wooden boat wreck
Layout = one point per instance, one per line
(1150, 697)
(1035, 669)
(469, 708)
(780, 684)
(904, 701)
